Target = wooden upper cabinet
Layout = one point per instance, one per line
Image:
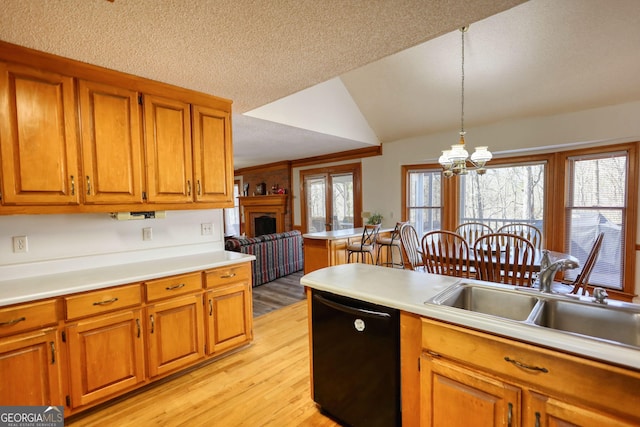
(168, 147)
(111, 144)
(212, 155)
(38, 137)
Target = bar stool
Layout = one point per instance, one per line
(366, 245)
(391, 243)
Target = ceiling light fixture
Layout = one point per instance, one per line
(454, 161)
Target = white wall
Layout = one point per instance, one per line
(77, 241)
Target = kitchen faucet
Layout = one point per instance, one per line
(549, 269)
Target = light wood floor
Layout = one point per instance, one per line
(266, 384)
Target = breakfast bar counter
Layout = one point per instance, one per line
(408, 291)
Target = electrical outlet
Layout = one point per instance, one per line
(20, 244)
(206, 229)
(147, 233)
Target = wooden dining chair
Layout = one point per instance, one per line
(578, 286)
(504, 258)
(411, 247)
(366, 245)
(446, 253)
(528, 231)
(472, 230)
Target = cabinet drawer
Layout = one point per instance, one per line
(27, 316)
(103, 300)
(539, 368)
(172, 286)
(226, 275)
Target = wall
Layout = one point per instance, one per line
(78, 241)
(382, 174)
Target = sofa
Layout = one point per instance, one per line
(277, 254)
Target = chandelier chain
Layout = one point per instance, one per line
(462, 89)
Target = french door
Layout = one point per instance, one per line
(330, 200)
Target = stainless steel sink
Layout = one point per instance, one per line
(615, 323)
(488, 300)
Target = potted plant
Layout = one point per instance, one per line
(375, 218)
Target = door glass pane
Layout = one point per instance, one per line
(315, 191)
(342, 188)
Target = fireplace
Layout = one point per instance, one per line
(263, 214)
(264, 224)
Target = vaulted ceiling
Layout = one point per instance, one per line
(310, 78)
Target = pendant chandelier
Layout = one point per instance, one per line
(454, 161)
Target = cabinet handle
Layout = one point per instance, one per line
(88, 186)
(53, 352)
(198, 187)
(153, 327)
(13, 322)
(73, 186)
(537, 419)
(228, 276)
(523, 366)
(210, 307)
(138, 325)
(174, 287)
(188, 187)
(510, 415)
(107, 302)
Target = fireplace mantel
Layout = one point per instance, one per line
(274, 205)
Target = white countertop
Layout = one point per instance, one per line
(408, 290)
(50, 285)
(340, 234)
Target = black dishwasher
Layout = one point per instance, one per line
(356, 360)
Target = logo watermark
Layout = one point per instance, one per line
(31, 416)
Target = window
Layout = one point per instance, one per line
(424, 199)
(570, 196)
(232, 215)
(510, 193)
(596, 201)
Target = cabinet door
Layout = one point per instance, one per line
(111, 144)
(30, 366)
(212, 156)
(453, 395)
(176, 334)
(168, 150)
(106, 356)
(229, 317)
(38, 137)
(545, 411)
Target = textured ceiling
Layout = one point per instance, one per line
(537, 58)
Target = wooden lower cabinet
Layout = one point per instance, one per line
(175, 332)
(106, 356)
(229, 317)
(453, 390)
(471, 378)
(30, 368)
(320, 253)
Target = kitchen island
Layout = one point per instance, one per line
(328, 248)
(446, 353)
